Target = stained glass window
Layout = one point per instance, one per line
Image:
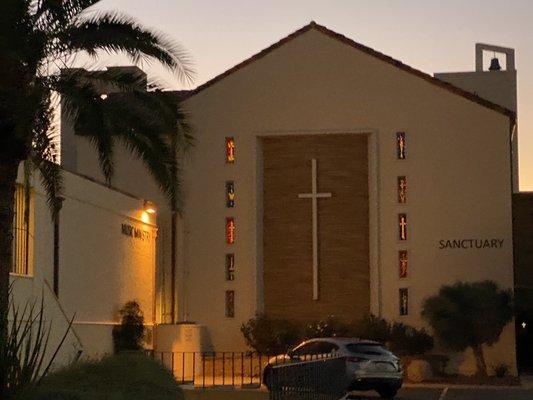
(402, 189)
(230, 267)
(402, 226)
(404, 301)
(230, 304)
(230, 194)
(400, 145)
(230, 230)
(403, 263)
(230, 150)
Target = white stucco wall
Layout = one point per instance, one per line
(100, 268)
(458, 171)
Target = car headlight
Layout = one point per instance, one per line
(400, 365)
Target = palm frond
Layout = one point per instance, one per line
(146, 131)
(113, 32)
(52, 181)
(48, 14)
(150, 124)
(43, 156)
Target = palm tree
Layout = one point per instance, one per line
(37, 36)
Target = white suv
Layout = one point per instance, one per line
(369, 365)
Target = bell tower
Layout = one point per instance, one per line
(494, 83)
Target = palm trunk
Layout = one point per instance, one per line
(480, 360)
(8, 177)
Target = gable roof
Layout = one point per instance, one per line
(367, 50)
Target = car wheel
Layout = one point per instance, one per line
(267, 376)
(387, 392)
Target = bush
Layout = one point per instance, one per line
(330, 327)
(124, 376)
(274, 336)
(372, 328)
(408, 341)
(129, 335)
(501, 370)
(469, 315)
(270, 336)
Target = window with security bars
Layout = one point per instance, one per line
(23, 232)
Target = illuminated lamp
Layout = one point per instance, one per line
(149, 207)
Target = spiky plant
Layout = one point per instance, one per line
(39, 36)
(25, 357)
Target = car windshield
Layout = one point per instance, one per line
(368, 349)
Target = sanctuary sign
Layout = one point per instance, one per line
(467, 244)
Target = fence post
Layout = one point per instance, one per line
(223, 368)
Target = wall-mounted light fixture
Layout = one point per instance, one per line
(149, 207)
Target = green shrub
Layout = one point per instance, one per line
(273, 336)
(408, 341)
(119, 377)
(270, 336)
(129, 335)
(501, 370)
(469, 315)
(372, 328)
(329, 327)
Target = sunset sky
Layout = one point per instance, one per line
(430, 35)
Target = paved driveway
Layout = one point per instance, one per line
(453, 394)
(416, 393)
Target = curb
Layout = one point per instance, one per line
(458, 386)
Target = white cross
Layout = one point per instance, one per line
(314, 196)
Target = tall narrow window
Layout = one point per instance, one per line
(230, 194)
(22, 231)
(400, 145)
(402, 189)
(230, 267)
(230, 230)
(404, 301)
(403, 263)
(230, 304)
(402, 226)
(230, 150)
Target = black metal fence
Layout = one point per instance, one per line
(203, 369)
(322, 379)
(225, 368)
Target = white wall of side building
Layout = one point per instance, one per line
(100, 268)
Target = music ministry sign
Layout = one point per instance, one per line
(134, 232)
(467, 244)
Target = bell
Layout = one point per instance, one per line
(495, 64)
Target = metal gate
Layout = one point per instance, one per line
(322, 379)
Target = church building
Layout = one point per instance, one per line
(326, 178)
